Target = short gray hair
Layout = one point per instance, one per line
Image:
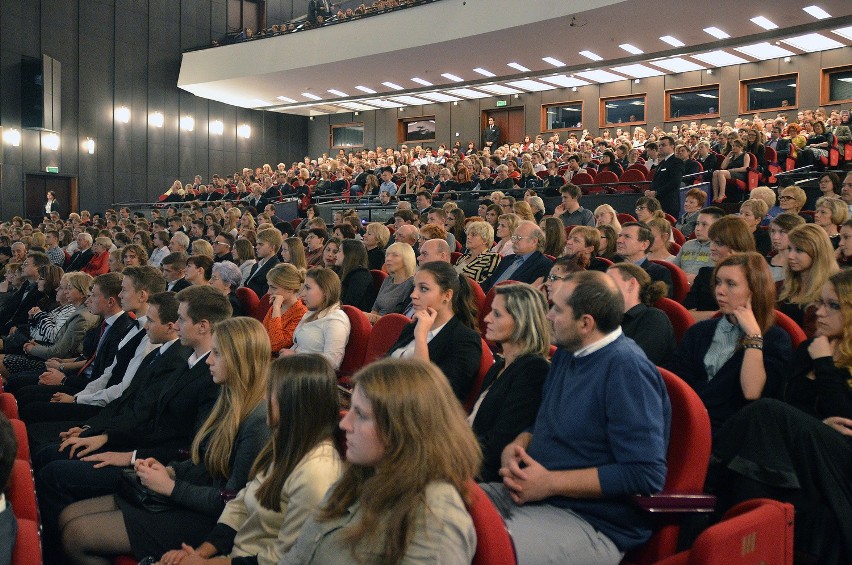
(181, 239)
(228, 273)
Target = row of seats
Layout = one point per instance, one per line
(21, 490)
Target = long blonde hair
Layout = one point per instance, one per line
(245, 350)
(842, 283)
(426, 439)
(804, 287)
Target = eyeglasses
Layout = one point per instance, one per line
(553, 278)
(638, 208)
(517, 238)
(786, 198)
(831, 305)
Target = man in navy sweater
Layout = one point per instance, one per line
(601, 434)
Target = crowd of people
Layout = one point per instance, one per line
(169, 416)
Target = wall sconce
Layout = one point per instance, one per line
(89, 145)
(217, 127)
(636, 81)
(51, 141)
(187, 123)
(12, 137)
(787, 59)
(709, 71)
(573, 89)
(122, 114)
(244, 131)
(157, 120)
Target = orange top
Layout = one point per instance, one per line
(281, 329)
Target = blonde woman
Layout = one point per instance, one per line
(375, 239)
(830, 213)
(286, 309)
(201, 247)
(605, 215)
(395, 293)
(506, 226)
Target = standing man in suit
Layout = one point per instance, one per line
(667, 178)
(633, 243)
(527, 264)
(491, 134)
(269, 242)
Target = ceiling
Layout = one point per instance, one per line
(454, 37)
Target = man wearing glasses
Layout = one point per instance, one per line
(527, 264)
(15, 310)
(222, 246)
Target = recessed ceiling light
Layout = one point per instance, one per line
(673, 41)
(817, 12)
(637, 71)
(484, 72)
(764, 51)
(592, 56)
(519, 67)
(412, 100)
(337, 92)
(677, 65)
(419, 80)
(311, 96)
(552, 61)
(716, 32)
(764, 22)
(452, 77)
(498, 89)
(468, 93)
(438, 97)
(565, 81)
(631, 48)
(381, 103)
(393, 85)
(812, 42)
(601, 76)
(844, 32)
(355, 106)
(719, 58)
(285, 99)
(365, 89)
(531, 85)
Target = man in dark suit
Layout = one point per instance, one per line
(269, 242)
(83, 255)
(528, 264)
(668, 174)
(633, 243)
(15, 311)
(174, 268)
(491, 134)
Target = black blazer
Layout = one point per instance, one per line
(79, 260)
(509, 408)
(179, 285)
(666, 184)
(106, 355)
(357, 289)
(257, 277)
(657, 272)
(536, 266)
(456, 350)
(15, 311)
(376, 258)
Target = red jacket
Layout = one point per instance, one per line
(98, 265)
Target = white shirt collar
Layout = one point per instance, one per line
(194, 359)
(164, 347)
(111, 320)
(599, 344)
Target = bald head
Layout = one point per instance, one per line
(407, 234)
(434, 250)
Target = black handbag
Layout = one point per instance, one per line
(134, 492)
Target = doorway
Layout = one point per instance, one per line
(509, 120)
(36, 187)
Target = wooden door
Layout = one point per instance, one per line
(36, 188)
(510, 121)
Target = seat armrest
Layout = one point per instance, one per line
(673, 502)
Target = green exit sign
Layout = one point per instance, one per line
(52, 169)
(501, 103)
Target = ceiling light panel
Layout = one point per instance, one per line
(286, 99)
(519, 67)
(591, 55)
(452, 77)
(817, 12)
(637, 71)
(716, 32)
(311, 96)
(382, 103)
(719, 58)
(337, 92)
(410, 100)
(565, 81)
(631, 49)
(764, 51)
(498, 89)
(764, 22)
(484, 72)
(358, 106)
(844, 32)
(812, 42)
(531, 85)
(393, 85)
(552, 61)
(467, 93)
(419, 80)
(438, 97)
(365, 89)
(601, 76)
(677, 65)
(673, 41)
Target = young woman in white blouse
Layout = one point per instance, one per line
(324, 329)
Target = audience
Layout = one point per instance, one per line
(527, 263)
(779, 227)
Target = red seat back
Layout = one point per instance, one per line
(477, 293)
(582, 178)
(679, 316)
(485, 362)
(8, 405)
(680, 284)
(295, 222)
(20, 430)
(28, 544)
(379, 277)
(21, 491)
(359, 336)
(263, 307)
(679, 238)
(624, 218)
(606, 177)
(591, 171)
(494, 544)
(631, 176)
(249, 300)
(384, 334)
(455, 256)
(786, 323)
(673, 248)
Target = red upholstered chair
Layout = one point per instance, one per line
(604, 177)
(455, 256)
(786, 323)
(485, 308)
(568, 230)
(679, 316)
(591, 171)
(263, 306)
(752, 177)
(27, 549)
(485, 362)
(21, 491)
(639, 167)
(477, 293)
(494, 544)
(20, 430)
(628, 179)
(673, 248)
(759, 530)
(679, 281)
(671, 219)
(359, 336)
(8, 405)
(606, 261)
(624, 218)
(581, 179)
(249, 300)
(687, 459)
(125, 560)
(772, 166)
(295, 222)
(384, 334)
(679, 238)
(379, 277)
(542, 174)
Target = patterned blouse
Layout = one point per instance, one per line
(480, 267)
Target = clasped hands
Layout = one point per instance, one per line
(525, 478)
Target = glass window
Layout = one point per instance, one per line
(347, 135)
(624, 110)
(771, 94)
(839, 85)
(686, 103)
(564, 115)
